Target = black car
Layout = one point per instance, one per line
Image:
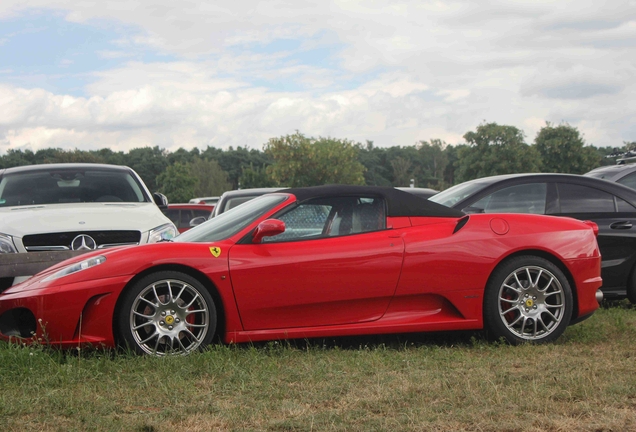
(611, 206)
(623, 174)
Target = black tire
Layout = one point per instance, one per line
(166, 312)
(528, 299)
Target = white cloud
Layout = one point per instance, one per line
(397, 72)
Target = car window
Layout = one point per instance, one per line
(628, 180)
(624, 206)
(186, 217)
(201, 213)
(173, 215)
(328, 217)
(526, 198)
(69, 185)
(582, 199)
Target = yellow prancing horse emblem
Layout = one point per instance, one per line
(216, 251)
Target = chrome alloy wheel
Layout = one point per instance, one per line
(169, 317)
(531, 302)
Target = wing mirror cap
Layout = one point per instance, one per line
(268, 228)
(160, 199)
(197, 221)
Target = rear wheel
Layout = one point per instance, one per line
(166, 313)
(528, 299)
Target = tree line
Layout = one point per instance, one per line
(297, 160)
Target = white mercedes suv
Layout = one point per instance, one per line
(72, 206)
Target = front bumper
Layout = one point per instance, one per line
(64, 315)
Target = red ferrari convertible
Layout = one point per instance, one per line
(319, 262)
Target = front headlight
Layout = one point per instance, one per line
(77, 267)
(6, 244)
(162, 233)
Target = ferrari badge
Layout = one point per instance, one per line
(216, 251)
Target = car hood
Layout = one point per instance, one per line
(40, 219)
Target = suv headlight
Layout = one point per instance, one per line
(162, 233)
(6, 244)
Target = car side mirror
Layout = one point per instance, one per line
(160, 199)
(472, 210)
(268, 228)
(197, 221)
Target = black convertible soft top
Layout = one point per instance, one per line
(399, 203)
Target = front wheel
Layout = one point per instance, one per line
(528, 299)
(166, 313)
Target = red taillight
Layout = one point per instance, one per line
(592, 225)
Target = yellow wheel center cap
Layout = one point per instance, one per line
(529, 303)
(170, 319)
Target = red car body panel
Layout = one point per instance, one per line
(420, 274)
(318, 287)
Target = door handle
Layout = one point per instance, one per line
(622, 225)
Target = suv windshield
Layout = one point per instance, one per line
(231, 222)
(69, 185)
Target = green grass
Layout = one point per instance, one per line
(585, 381)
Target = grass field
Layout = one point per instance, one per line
(585, 381)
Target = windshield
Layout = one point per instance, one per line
(452, 196)
(231, 222)
(69, 185)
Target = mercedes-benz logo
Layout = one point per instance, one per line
(83, 242)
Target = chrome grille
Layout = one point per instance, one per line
(62, 241)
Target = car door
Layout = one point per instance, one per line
(336, 263)
(616, 220)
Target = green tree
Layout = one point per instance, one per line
(303, 161)
(183, 156)
(234, 161)
(373, 158)
(148, 162)
(111, 157)
(210, 179)
(563, 150)
(495, 149)
(177, 183)
(15, 158)
(433, 161)
(67, 156)
(255, 178)
(403, 164)
(452, 153)
(403, 171)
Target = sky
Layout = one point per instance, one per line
(125, 74)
